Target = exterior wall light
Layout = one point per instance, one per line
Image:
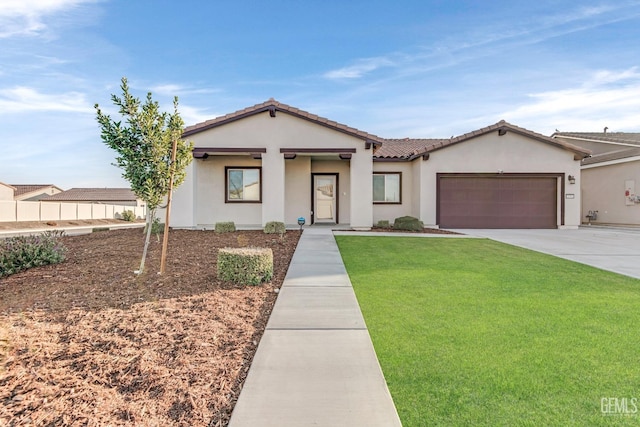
(572, 179)
(301, 222)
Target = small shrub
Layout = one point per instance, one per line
(383, 223)
(408, 223)
(129, 215)
(24, 252)
(157, 227)
(275, 227)
(250, 266)
(225, 227)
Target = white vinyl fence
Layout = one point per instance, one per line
(12, 211)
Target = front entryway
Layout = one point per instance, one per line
(324, 191)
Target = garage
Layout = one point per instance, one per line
(497, 201)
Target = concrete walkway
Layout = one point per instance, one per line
(315, 364)
(68, 230)
(607, 248)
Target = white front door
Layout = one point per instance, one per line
(324, 198)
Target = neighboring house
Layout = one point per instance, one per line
(610, 176)
(34, 192)
(274, 162)
(7, 192)
(108, 196)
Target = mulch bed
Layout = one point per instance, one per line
(88, 343)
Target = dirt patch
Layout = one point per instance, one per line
(87, 342)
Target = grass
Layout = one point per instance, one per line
(475, 332)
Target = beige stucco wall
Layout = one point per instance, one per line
(200, 201)
(390, 212)
(603, 190)
(6, 192)
(211, 193)
(490, 153)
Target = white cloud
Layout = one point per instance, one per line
(607, 98)
(360, 68)
(26, 17)
(194, 115)
(179, 90)
(21, 99)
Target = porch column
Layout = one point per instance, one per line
(361, 173)
(272, 186)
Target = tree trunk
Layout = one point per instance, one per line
(150, 216)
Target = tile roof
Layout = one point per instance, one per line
(405, 148)
(24, 189)
(93, 195)
(409, 149)
(612, 155)
(273, 106)
(400, 149)
(619, 137)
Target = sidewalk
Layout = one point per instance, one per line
(315, 364)
(68, 230)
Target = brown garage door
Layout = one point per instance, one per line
(497, 201)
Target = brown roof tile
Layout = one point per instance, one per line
(278, 106)
(93, 195)
(612, 155)
(401, 149)
(619, 137)
(29, 188)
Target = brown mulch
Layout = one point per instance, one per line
(88, 343)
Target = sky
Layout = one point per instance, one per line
(396, 69)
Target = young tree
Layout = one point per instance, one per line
(144, 143)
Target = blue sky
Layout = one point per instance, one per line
(423, 68)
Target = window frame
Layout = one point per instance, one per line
(227, 169)
(383, 202)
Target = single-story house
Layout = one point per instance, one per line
(108, 196)
(274, 162)
(609, 177)
(34, 192)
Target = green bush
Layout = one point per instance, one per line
(129, 215)
(383, 223)
(157, 227)
(225, 227)
(24, 252)
(250, 266)
(408, 223)
(275, 227)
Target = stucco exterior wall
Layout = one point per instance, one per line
(286, 184)
(211, 206)
(6, 192)
(390, 212)
(603, 189)
(297, 190)
(490, 153)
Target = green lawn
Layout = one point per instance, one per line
(475, 332)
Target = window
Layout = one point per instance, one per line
(387, 187)
(244, 184)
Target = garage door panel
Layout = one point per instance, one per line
(497, 202)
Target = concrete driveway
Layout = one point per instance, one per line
(612, 249)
